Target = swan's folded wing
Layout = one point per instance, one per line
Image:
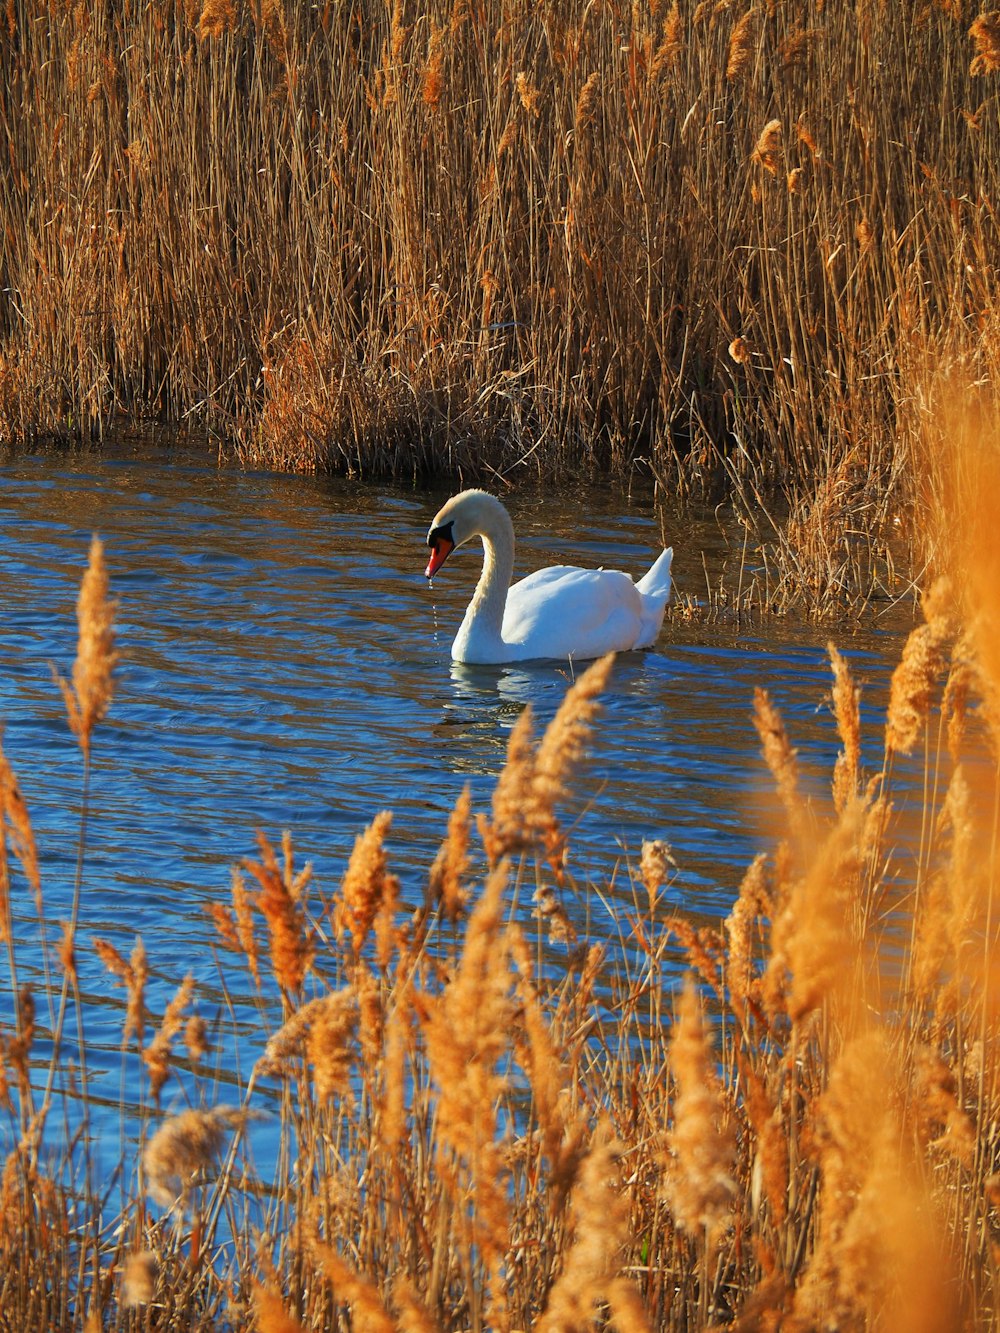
(564, 612)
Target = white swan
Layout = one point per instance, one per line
(560, 612)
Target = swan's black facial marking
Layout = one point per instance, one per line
(446, 532)
(441, 540)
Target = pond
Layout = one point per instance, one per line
(284, 665)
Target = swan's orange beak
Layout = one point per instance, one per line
(441, 549)
(441, 540)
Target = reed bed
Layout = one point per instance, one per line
(486, 238)
(492, 1110)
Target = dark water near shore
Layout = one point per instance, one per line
(285, 666)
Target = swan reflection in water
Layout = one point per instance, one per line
(486, 701)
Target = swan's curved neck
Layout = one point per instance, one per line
(484, 616)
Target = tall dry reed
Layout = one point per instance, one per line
(472, 239)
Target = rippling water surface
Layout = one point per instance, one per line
(285, 666)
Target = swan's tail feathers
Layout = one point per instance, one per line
(657, 582)
(655, 589)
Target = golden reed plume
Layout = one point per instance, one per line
(183, 1152)
(699, 1183)
(281, 903)
(741, 46)
(89, 697)
(15, 831)
(367, 888)
(985, 33)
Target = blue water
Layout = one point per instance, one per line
(285, 666)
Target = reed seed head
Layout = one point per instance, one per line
(700, 1185)
(671, 43)
(451, 862)
(741, 46)
(768, 152)
(985, 33)
(139, 1278)
(333, 1023)
(591, 1269)
(270, 1312)
(914, 680)
(183, 1150)
(280, 901)
(157, 1055)
(15, 826)
(587, 103)
(847, 710)
(367, 885)
(89, 697)
(530, 96)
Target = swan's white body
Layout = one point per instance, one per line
(561, 612)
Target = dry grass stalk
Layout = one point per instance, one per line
(280, 901)
(367, 885)
(183, 1151)
(89, 698)
(699, 1181)
(451, 862)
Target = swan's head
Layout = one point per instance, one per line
(464, 516)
